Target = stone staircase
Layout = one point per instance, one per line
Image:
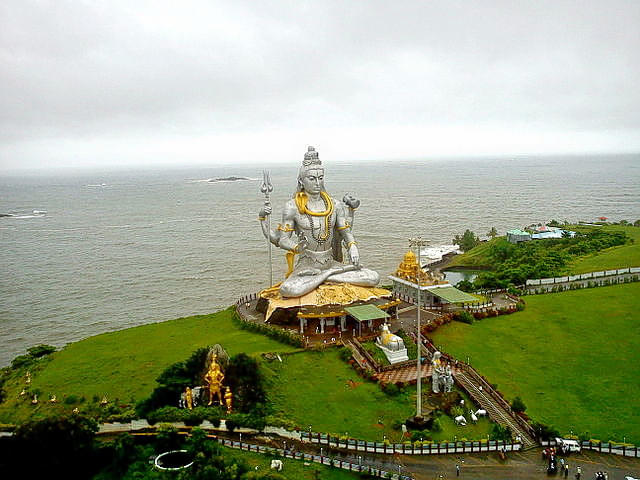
(496, 411)
(357, 356)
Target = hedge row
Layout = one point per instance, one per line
(279, 334)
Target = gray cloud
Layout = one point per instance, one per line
(74, 74)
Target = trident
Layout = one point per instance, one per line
(267, 188)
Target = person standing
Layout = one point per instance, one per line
(457, 470)
(578, 472)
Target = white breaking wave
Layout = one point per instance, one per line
(225, 180)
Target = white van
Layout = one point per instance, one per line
(567, 445)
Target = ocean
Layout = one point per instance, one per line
(107, 250)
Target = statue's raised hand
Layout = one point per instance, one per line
(265, 210)
(351, 201)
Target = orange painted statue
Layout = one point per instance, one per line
(228, 398)
(188, 394)
(213, 378)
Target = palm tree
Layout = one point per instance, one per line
(493, 233)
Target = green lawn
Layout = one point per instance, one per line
(125, 364)
(308, 388)
(615, 257)
(319, 389)
(573, 357)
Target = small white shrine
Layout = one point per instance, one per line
(392, 346)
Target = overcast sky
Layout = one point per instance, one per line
(138, 83)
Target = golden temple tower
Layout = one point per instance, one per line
(411, 271)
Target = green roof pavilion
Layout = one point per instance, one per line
(452, 295)
(363, 313)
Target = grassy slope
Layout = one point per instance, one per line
(477, 257)
(573, 357)
(125, 364)
(316, 388)
(308, 388)
(615, 257)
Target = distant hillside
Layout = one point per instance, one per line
(615, 257)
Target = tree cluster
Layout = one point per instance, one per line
(242, 374)
(467, 240)
(515, 263)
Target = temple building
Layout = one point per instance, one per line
(434, 291)
(330, 309)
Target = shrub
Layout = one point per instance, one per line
(436, 426)
(71, 399)
(33, 353)
(584, 436)
(231, 425)
(520, 306)
(246, 381)
(456, 411)
(193, 418)
(21, 361)
(40, 350)
(397, 424)
(518, 405)
(345, 354)
(498, 432)
(284, 336)
(122, 417)
(166, 414)
(545, 432)
(390, 389)
(464, 317)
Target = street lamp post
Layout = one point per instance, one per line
(419, 243)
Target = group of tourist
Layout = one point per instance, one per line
(549, 454)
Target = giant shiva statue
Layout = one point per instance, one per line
(321, 225)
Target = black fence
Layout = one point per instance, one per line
(308, 457)
(603, 447)
(409, 448)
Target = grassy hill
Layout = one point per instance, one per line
(306, 388)
(124, 365)
(573, 357)
(615, 257)
(477, 257)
